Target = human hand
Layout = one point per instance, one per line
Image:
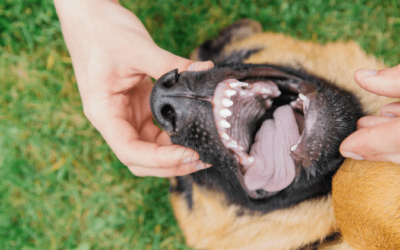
(378, 137)
(112, 54)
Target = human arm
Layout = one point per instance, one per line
(113, 55)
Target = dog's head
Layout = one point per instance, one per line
(267, 127)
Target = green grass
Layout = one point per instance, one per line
(61, 186)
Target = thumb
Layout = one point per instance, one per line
(385, 82)
(162, 61)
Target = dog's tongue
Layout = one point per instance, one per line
(273, 168)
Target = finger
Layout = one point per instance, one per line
(385, 82)
(126, 144)
(200, 66)
(369, 121)
(379, 139)
(391, 109)
(161, 62)
(385, 157)
(181, 170)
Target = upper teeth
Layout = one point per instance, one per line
(237, 84)
(293, 148)
(225, 124)
(230, 92)
(302, 97)
(266, 91)
(225, 113)
(226, 102)
(225, 136)
(231, 145)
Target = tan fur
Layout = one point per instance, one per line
(212, 224)
(366, 197)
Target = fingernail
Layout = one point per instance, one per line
(367, 72)
(202, 165)
(198, 66)
(189, 159)
(388, 115)
(352, 155)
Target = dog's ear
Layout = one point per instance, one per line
(213, 49)
(366, 202)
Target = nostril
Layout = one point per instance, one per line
(171, 81)
(168, 84)
(168, 112)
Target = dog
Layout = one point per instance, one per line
(270, 117)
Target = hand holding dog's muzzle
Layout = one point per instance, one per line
(112, 54)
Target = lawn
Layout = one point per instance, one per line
(61, 186)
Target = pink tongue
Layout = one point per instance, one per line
(273, 168)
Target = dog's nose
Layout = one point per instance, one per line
(166, 100)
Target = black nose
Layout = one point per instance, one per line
(167, 101)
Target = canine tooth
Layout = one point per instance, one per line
(225, 136)
(241, 148)
(293, 148)
(269, 102)
(226, 102)
(231, 145)
(266, 91)
(251, 159)
(234, 142)
(242, 93)
(238, 84)
(225, 124)
(302, 97)
(225, 113)
(230, 92)
(251, 94)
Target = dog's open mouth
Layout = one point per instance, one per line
(266, 130)
(272, 128)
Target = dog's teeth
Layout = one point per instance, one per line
(230, 92)
(266, 91)
(302, 97)
(293, 148)
(241, 148)
(225, 136)
(231, 145)
(234, 84)
(251, 94)
(242, 93)
(250, 159)
(226, 102)
(238, 84)
(268, 102)
(225, 124)
(225, 113)
(234, 142)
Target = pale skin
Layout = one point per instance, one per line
(377, 137)
(113, 56)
